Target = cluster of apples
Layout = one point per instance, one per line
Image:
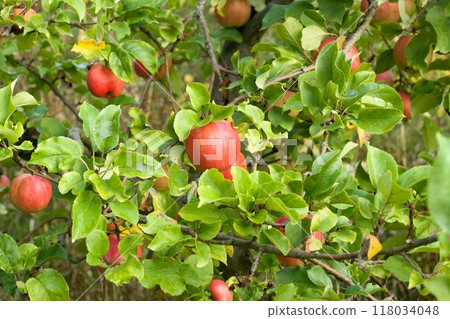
(215, 145)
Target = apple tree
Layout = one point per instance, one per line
(224, 149)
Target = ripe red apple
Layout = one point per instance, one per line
(26, 16)
(239, 163)
(142, 71)
(30, 193)
(162, 183)
(112, 256)
(385, 76)
(220, 291)
(400, 52)
(102, 82)
(406, 104)
(389, 12)
(236, 13)
(215, 145)
(352, 52)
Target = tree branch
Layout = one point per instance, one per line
(19, 162)
(354, 36)
(211, 53)
(35, 229)
(55, 90)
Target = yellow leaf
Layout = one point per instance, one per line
(230, 250)
(84, 46)
(363, 136)
(374, 246)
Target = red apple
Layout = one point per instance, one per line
(113, 257)
(142, 71)
(220, 291)
(102, 82)
(236, 13)
(389, 12)
(30, 193)
(386, 76)
(400, 52)
(215, 145)
(162, 183)
(4, 181)
(240, 163)
(406, 104)
(26, 16)
(350, 54)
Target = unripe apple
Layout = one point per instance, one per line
(385, 76)
(389, 12)
(142, 71)
(239, 163)
(162, 183)
(26, 16)
(30, 193)
(220, 291)
(236, 13)
(406, 104)
(112, 256)
(102, 82)
(399, 53)
(350, 54)
(215, 145)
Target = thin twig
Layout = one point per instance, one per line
(290, 75)
(35, 229)
(19, 162)
(212, 55)
(354, 36)
(55, 90)
(237, 100)
(144, 92)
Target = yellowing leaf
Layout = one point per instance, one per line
(363, 136)
(374, 246)
(85, 47)
(230, 250)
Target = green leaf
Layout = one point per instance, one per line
(398, 266)
(323, 180)
(207, 213)
(334, 10)
(378, 120)
(143, 52)
(290, 32)
(209, 231)
(27, 255)
(89, 114)
(79, 6)
(24, 99)
(125, 210)
(318, 276)
(57, 153)
(220, 112)
(278, 239)
(120, 63)
(166, 238)
(203, 253)
(71, 181)
(106, 129)
(51, 127)
(97, 243)
(312, 36)
(441, 23)
(9, 255)
(155, 273)
(438, 198)
(86, 214)
(323, 220)
(122, 274)
(439, 286)
(6, 106)
(379, 162)
(185, 120)
(218, 252)
(255, 114)
(49, 285)
(213, 188)
(107, 190)
(199, 95)
(414, 175)
(290, 204)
